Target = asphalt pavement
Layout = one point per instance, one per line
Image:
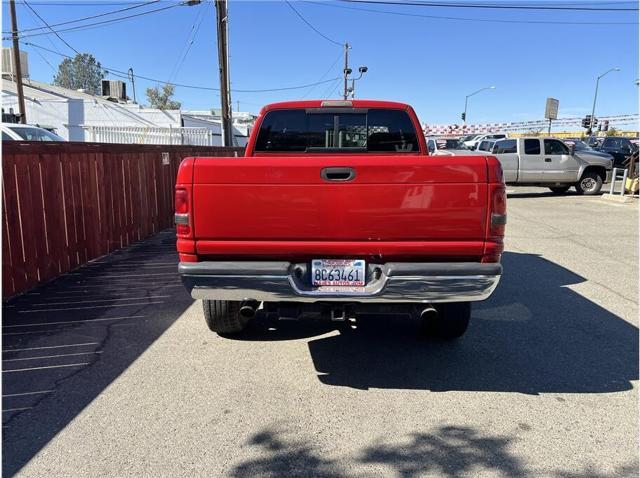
(111, 371)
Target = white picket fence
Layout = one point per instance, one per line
(153, 135)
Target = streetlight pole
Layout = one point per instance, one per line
(466, 100)
(362, 70)
(595, 97)
(132, 77)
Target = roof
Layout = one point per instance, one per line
(40, 90)
(336, 103)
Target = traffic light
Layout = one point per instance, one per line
(599, 127)
(586, 121)
(605, 126)
(595, 121)
(463, 116)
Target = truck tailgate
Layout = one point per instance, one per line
(281, 204)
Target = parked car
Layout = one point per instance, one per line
(580, 146)
(26, 132)
(485, 145)
(618, 147)
(550, 162)
(438, 145)
(335, 211)
(472, 143)
(593, 141)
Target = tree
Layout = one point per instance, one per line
(160, 97)
(612, 131)
(82, 71)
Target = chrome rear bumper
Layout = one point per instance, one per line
(391, 282)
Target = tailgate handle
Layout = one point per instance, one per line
(338, 174)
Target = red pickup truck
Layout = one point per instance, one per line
(337, 210)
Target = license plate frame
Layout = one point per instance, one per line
(338, 274)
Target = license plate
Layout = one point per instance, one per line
(337, 273)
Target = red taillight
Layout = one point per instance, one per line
(182, 201)
(494, 246)
(498, 212)
(182, 219)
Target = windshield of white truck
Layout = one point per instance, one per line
(325, 129)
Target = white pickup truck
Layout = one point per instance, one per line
(550, 162)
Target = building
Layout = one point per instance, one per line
(77, 115)
(242, 120)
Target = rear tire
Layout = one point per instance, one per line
(590, 184)
(223, 316)
(559, 189)
(451, 322)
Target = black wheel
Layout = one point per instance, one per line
(559, 189)
(590, 183)
(451, 321)
(223, 316)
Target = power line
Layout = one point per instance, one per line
(311, 26)
(481, 20)
(188, 43)
(49, 27)
(196, 87)
(53, 45)
(85, 18)
(490, 6)
(87, 4)
(104, 22)
(323, 76)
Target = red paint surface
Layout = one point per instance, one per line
(399, 206)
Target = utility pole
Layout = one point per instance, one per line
(17, 77)
(223, 61)
(346, 71)
(133, 83)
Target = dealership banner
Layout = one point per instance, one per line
(534, 125)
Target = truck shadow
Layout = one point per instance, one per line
(534, 335)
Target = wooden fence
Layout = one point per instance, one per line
(67, 203)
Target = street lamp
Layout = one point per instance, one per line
(466, 99)
(595, 97)
(362, 70)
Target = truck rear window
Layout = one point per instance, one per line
(346, 130)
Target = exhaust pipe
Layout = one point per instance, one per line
(429, 313)
(248, 309)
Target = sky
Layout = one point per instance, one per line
(430, 63)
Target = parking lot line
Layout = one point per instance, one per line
(53, 356)
(80, 321)
(50, 347)
(24, 394)
(46, 367)
(118, 286)
(16, 409)
(103, 300)
(88, 308)
(108, 276)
